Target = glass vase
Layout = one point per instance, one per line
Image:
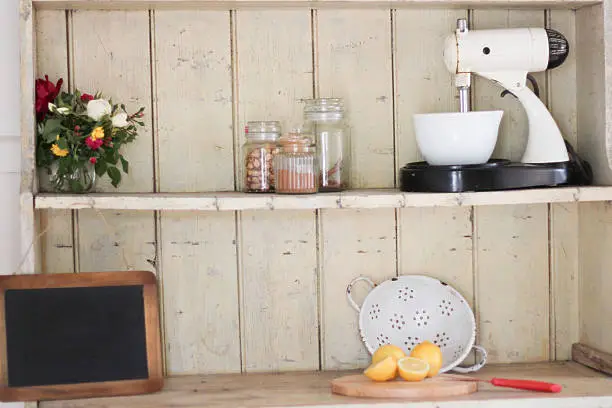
(80, 180)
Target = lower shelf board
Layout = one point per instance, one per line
(582, 388)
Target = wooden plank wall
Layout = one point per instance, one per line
(262, 290)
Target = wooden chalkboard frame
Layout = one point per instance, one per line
(92, 389)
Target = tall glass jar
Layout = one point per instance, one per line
(295, 165)
(324, 118)
(258, 153)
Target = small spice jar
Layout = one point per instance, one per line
(258, 153)
(295, 165)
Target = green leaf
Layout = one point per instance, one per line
(62, 143)
(124, 164)
(52, 128)
(100, 168)
(114, 175)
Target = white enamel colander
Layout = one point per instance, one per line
(410, 309)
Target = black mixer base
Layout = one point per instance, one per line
(494, 175)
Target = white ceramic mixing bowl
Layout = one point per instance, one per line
(457, 137)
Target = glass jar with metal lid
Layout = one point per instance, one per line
(258, 153)
(295, 165)
(324, 118)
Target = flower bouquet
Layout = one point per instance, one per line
(80, 136)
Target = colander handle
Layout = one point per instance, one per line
(349, 289)
(483, 359)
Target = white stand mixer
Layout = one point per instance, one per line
(506, 57)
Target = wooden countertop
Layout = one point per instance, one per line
(582, 388)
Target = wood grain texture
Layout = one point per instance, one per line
(193, 66)
(361, 386)
(512, 282)
(434, 241)
(347, 41)
(563, 218)
(437, 242)
(512, 275)
(582, 387)
(593, 94)
(354, 243)
(595, 278)
(279, 291)
(116, 62)
(278, 251)
(200, 293)
(52, 59)
(592, 358)
(116, 240)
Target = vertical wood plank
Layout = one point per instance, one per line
(278, 249)
(115, 60)
(595, 277)
(354, 47)
(52, 59)
(355, 243)
(564, 217)
(512, 282)
(279, 290)
(114, 241)
(512, 241)
(198, 262)
(194, 81)
(200, 293)
(433, 241)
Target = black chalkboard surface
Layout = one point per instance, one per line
(79, 335)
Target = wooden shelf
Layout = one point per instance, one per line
(230, 201)
(582, 388)
(233, 4)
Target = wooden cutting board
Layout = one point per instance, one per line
(430, 388)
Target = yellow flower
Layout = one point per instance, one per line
(98, 133)
(55, 149)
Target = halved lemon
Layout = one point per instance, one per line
(412, 369)
(387, 350)
(384, 370)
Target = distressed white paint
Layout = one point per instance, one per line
(278, 278)
(285, 290)
(512, 241)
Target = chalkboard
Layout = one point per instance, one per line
(79, 335)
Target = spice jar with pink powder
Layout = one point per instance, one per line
(295, 165)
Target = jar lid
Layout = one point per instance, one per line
(324, 108)
(262, 130)
(295, 142)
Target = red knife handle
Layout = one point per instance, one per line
(527, 385)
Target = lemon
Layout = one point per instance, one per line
(412, 369)
(387, 350)
(384, 370)
(431, 353)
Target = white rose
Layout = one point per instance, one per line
(97, 108)
(51, 107)
(63, 111)
(120, 120)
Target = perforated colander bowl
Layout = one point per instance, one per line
(408, 310)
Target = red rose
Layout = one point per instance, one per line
(46, 92)
(87, 97)
(93, 160)
(94, 144)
